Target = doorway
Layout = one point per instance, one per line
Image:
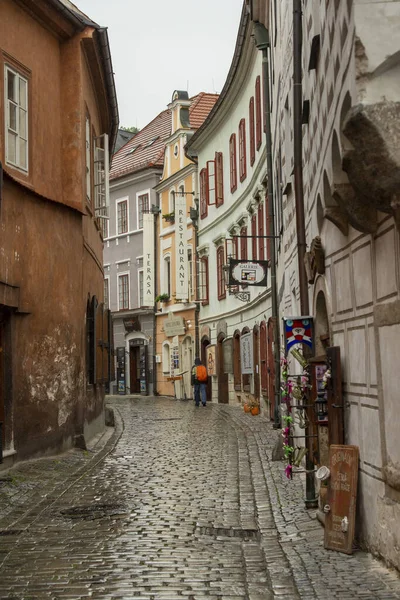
(134, 369)
(223, 392)
(271, 369)
(204, 344)
(2, 384)
(256, 362)
(187, 364)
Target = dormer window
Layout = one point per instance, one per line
(132, 150)
(151, 142)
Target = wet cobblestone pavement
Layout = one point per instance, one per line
(176, 502)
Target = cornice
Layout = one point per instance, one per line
(175, 177)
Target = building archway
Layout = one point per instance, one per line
(263, 358)
(256, 362)
(322, 310)
(223, 391)
(237, 363)
(205, 342)
(245, 376)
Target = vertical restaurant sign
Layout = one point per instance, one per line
(246, 353)
(148, 259)
(181, 262)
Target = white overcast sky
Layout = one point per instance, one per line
(159, 46)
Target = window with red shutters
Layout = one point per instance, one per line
(268, 230)
(220, 273)
(243, 243)
(203, 280)
(219, 174)
(203, 193)
(258, 113)
(242, 150)
(251, 126)
(261, 239)
(232, 159)
(253, 238)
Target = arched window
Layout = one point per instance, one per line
(166, 358)
(167, 275)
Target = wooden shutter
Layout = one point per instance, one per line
(243, 243)
(242, 150)
(251, 134)
(261, 239)
(258, 113)
(254, 239)
(203, 193)
(220, 273)
(99, 344)
(219, 178)
(232, 160)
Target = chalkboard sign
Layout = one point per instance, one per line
(342, 494)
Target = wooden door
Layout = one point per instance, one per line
(256, 364)
(134, 370)
(2, 385)
(223, 393)
(271, 369)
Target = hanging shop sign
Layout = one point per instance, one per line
(340, 510)
(148, 259)
(181, 254)
(297, 330)
(246, 353)
(252, 273)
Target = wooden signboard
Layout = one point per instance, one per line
(342, 495)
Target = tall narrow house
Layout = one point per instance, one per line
(58, 120)
(176, 314)
(128, 267)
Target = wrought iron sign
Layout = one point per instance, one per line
(242, 296)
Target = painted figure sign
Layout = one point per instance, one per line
(297, 330)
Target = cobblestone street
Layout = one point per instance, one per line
(175, 502)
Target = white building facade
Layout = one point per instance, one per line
(230, 151)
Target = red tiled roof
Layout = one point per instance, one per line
(145, 149)
(200, 108)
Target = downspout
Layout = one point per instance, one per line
(310, 500)
(262, 42)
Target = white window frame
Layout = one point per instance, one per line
(166, 357)
(141, 193)
(140, 299)
(107, 279)
(171, 200)
(129, 289)
(88, 158)
(117, 202)
(167, 285)
(19, 108)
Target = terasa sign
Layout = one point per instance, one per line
(248, 273)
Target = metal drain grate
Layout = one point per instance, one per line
(169, 419)
(11, 531)
(232, 532)
(94, 511)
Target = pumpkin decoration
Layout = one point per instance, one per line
(255, 410)
(246, 408)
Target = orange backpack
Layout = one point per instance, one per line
(201, 373)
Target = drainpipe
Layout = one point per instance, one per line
(310, 500)
(261, 37)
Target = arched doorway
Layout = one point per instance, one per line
(322, 336)
(245, 376)
(237, 365)
(256, 362)
(205, 342)
(270, 368)
(263, 358)
(223, 391)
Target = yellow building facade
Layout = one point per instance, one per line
(176, 344)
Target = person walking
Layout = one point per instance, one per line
(199, 382)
